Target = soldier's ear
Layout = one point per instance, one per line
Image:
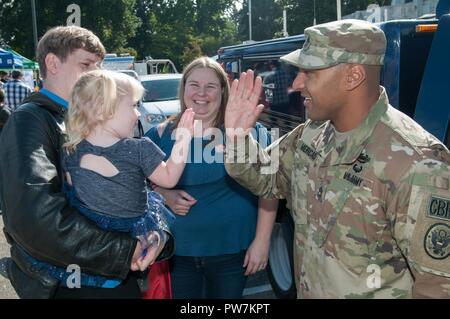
(355, 74)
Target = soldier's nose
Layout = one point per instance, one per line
(299, 81)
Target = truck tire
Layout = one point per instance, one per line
(280, 268)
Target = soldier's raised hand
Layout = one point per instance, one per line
(242, 108)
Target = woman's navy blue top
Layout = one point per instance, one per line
(223, 220)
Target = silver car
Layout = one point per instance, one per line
(160, 99)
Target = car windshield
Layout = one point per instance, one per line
(161, 90)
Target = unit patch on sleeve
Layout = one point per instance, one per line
(437, 241)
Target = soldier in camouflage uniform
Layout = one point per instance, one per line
(367, 186)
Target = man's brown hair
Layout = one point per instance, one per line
(63, 41)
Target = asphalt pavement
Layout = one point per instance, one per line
(6, 290)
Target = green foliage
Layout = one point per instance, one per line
(17, 32)
(126, 51)
(267, 21)
(179, 30)
(176, 29)
(112, 20)
(300, 13)
(192, 51)
(267, 15)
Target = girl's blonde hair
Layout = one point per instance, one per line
(94, 100)
(204, 63)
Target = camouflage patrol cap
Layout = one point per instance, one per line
(343, 41)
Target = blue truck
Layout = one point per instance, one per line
(416, 75)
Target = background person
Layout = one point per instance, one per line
(4, 76)
(280, 97)
(16, 90)
(222, 232)
(5, 111)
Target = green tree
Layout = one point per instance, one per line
(112, 20)
(166, 29)
(191, 51)
(209, 16)
(267, 18)
(18, 32)
(182, 29)
(214, 27)
(301, 13)
(174, 29)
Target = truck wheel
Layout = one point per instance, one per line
(281, 263)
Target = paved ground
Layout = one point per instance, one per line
(257, 285)
(6, 290)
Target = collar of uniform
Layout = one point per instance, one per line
(351, 148)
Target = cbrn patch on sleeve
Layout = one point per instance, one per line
(439, 208)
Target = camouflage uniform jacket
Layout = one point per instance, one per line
(372, 215)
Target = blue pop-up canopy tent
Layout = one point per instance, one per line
(26, 63)
(9, 60)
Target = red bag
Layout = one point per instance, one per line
(159, 286)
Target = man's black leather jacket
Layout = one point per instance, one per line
(36, 215)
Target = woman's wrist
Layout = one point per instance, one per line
(263, 238)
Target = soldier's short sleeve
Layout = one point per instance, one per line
(424, 233)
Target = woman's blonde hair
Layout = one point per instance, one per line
(205, 63)
(94, 100)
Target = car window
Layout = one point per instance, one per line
(161, 90)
